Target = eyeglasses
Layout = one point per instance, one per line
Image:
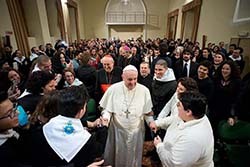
(11, 113)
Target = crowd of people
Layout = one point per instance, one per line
(173, 93)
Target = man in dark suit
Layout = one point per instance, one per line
(185, 67)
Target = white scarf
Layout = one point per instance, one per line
(5, 136)
(66, 136)
(235, 59)
(20, 60)
(167, 76)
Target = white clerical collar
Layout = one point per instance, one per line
(66, 136)
(8, 134)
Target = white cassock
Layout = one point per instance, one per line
(126, 110)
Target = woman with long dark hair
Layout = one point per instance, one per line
(227, 87)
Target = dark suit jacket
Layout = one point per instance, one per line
(178, 67)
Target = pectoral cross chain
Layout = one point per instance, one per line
(127, 112)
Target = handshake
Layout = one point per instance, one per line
(154, 128)
(100, 122)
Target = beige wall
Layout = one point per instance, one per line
(173, 5)
(216, 20)
(93, 17)
(125, 32)
(157, 9)
(6, 24)
(81, 18)
(37, 23)
(54, 30)
(34, 26)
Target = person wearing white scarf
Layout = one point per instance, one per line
(163, 86)
(63, 140)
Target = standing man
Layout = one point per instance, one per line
(126, 104)
(163, 86)
(238, 58)
(145, 78)
(127, 59)
(185, 67)
(107, 75)
(189, 139)
(34, 54)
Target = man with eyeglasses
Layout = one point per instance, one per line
(8, 137)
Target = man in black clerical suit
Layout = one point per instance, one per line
(106, 76)
(145, 78)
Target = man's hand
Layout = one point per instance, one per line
(153, 126)
(104, 121)
(93, 124)
(157, 140)
(97, 164)
(13, 95)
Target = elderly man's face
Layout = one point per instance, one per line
(108, 64)
(130, 79)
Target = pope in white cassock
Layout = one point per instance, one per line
(126, 104)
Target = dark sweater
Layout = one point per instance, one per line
(8, 153)
(161, 94)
